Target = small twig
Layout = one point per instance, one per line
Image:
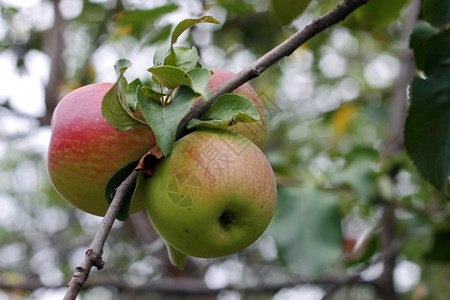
(94, 253)
(93, 256)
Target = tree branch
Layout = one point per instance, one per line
(286, 48)
(94, 253)
(192, 287)
(93, 256)
(389, 245)
(54, 45)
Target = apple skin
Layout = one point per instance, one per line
(85, 151)
(213, 196)
(254, 131)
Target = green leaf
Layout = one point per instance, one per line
(160, 54)
(427, 128)
(379, 13)
(172, 54)
(173, 77)
(164, 120)
(437, 12)
(438, 51)
(200, 79)
(307, 229)
(187, 23)
(183, 58)
(226, 111)
(170, 76)
(287, 10)
(121, 66)
(112, 185)
(418, 42)
(447, 188)
(131, 94)
(151, 93)
(440, 252)
(430, 51)
(115, 107)
(176, 257)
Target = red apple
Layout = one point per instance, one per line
(255, 131)
(85, 151)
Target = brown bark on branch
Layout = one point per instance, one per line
(389, 239)
(93, 256)
(194, 287)
(94, 253)
(54, 45)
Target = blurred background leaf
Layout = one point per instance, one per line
(307, 230)
(287, 10)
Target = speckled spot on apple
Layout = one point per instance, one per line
(184, 189)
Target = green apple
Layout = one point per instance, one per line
(255, 131)
(213, 196)
(85, 151)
